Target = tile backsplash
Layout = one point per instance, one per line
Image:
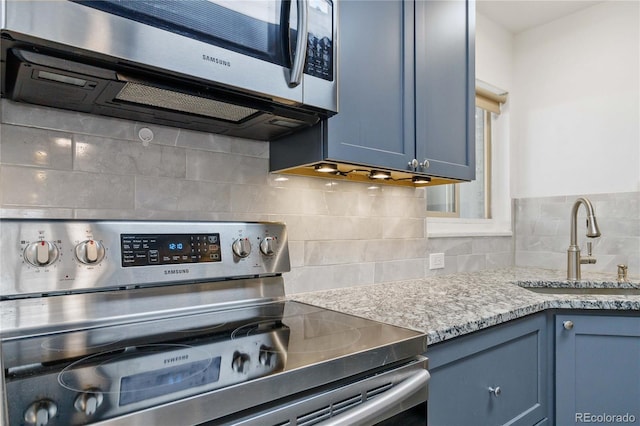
(61, 164)
(542, 232)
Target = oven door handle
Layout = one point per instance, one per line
(370, 410)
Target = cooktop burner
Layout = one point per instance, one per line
(99, 368)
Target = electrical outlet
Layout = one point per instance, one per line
(436, 261)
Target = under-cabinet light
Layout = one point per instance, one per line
(377, 174)
(420, 179)
(326, 168)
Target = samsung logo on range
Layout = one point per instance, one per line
(176, 359)
(216, 60)
(176, 271)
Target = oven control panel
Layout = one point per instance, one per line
(169, 249)
(60, 256)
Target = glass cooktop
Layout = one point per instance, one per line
(128, 367)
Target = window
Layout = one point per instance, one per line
(472, 202)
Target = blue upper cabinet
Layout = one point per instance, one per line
(445, 87)
(406, 92)
(375, 124)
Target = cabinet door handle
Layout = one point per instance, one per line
(425, 164)
(495, 391)
(414, 164)
(568, 325)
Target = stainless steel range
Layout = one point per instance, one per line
(185, 323)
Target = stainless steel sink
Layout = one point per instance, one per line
(618, 291)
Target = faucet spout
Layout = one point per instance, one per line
(593, 231)
(592, 227)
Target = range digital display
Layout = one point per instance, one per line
(168, 249)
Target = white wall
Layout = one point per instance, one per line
(494, 65)
(575, 104)
(494, 57)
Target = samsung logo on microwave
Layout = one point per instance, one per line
(176, 271)
(216, 60)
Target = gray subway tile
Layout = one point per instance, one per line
(161, 135)
(103, 155)
(29, 146)
(223, 167)
(19, 212)
(181, 195)
(54, 188)
(398, 270)
(66, 121)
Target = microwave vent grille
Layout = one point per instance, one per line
(167, 99)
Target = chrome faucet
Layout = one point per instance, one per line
(574, 260)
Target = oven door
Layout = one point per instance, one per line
(387, 396)
(256, 46)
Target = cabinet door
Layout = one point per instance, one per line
(374, 125)
(445, 87)
(511, 357)
(597, 369)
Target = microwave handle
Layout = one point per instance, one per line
(300, 55)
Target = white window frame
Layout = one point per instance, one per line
(500, 223)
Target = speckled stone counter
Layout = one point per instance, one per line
(452, 305)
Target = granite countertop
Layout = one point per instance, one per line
(447, 306)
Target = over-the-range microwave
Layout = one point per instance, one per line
(258, 69)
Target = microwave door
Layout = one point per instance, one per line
(242, 44)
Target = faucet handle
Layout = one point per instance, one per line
(588, 259)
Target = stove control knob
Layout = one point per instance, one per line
(240, 362)
(267, 246)
(241, 247)
(88, 402)
(90, 252)
(40, 412)
(42, 253)
(266, 355)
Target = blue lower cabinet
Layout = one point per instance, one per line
(597, 369)
(492, 377)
